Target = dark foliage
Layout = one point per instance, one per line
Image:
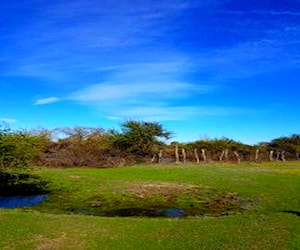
(21, 184)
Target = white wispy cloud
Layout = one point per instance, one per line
(138, 84)
(144, 100)
(148, 90)
(250, 58)
(132, 54)
(91, 35)
(156, 101)
(138, 92)
(89, 30)
(170, 113)
(100, 35)
(48, 100)
(8, 120)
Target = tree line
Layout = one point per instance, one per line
(135, 142)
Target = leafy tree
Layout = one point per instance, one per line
(18, 149)
(140, 138)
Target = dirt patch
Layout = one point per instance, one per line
(61, 242)
(75, 177)
(145, 190)
(227, 204)
(141, 198)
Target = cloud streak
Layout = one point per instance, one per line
(48, 100)
(97, 31)
(175, 113)
(151, 60)
(147, 90)
(138, 92)
(8, 120)
(95, 40)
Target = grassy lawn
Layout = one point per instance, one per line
(264, 192)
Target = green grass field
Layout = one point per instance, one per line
(266, 191)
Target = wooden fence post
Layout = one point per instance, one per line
(237, 156)
(257, 155)
(159, 156)
(176, 154)
(183, 155)
(271, 155)
(196, 155)
(153, 158)
(283, 155)
(203, 153)
(222, 155)
(226, 154)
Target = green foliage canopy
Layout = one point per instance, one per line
(140, 138)
(18, 149)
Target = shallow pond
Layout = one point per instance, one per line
(34, 200)
(132, 212)
(21, 201)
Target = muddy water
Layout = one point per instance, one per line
(132, 212)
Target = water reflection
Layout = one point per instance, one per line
(21, 201)
(128, 212)
(171, 212)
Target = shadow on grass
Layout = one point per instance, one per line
(21, 184)
(291, 212)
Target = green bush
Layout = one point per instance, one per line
(18, 149)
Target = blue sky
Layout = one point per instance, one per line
(203, 69)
